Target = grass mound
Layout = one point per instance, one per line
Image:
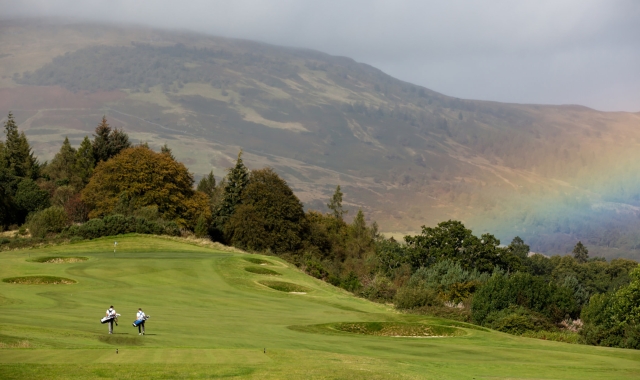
(14, 342)
(260, 270)
(398, 329)
(287, 287)
(121, 340)
(58, 259)
(39, 280)
(255, 260)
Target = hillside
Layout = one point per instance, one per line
(213, 317)
(407, 155)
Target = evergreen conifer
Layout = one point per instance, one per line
(236, 182)
(580, 253)
(335, 204)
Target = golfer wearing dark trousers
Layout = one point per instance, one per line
(140, 316)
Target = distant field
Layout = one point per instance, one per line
(211, 318)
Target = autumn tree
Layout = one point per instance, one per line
(139, 177)
(269, 217)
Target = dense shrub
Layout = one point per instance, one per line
(413, 297)
(379, 289)
(119, 224)
(613, 319)
(533, 293)
(52, 219)
(449, 279)
(29, 197)
(517, 320)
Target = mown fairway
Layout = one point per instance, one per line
(212, 318)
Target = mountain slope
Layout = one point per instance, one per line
(407, 155)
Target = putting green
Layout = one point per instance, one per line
(211, 318)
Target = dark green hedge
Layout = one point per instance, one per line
(118, 224)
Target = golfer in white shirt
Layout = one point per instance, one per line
(140, 316)
(111, 312)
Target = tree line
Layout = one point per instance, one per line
(109, 186)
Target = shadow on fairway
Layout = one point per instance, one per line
(114, 339)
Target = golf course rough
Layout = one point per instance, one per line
(39, 280)
(286, 287)
(212, 319)
(255, 260)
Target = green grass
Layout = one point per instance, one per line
(260, 270)
(211, 319)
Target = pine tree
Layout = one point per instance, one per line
(85, 161)
(108, 142)
(62, 169)
(119, 140)
(18, 154)
(166, 150)
(580, 253)
(236, 181)
(208, 185)
(335, 204)
(100, 145)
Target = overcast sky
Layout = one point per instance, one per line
(535, 51)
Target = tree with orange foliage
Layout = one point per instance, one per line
(139, 177)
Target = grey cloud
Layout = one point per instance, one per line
(572, 51)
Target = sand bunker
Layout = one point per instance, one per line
(398, 329)
(58, 259)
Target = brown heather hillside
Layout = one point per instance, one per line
(405, 154)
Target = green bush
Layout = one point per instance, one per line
(50, 220)
(351, 282)
(557, 336)
(414, 297)
(517, 320)
(521, 289)
(449, 279)
(380, 289)
(30, 197)
(315, 269)
(117, 224)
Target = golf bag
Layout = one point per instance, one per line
(106, 319)
(137, 322)
(109, 319)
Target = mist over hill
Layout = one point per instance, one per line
(406, 155)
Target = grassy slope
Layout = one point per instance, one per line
(211, 318)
